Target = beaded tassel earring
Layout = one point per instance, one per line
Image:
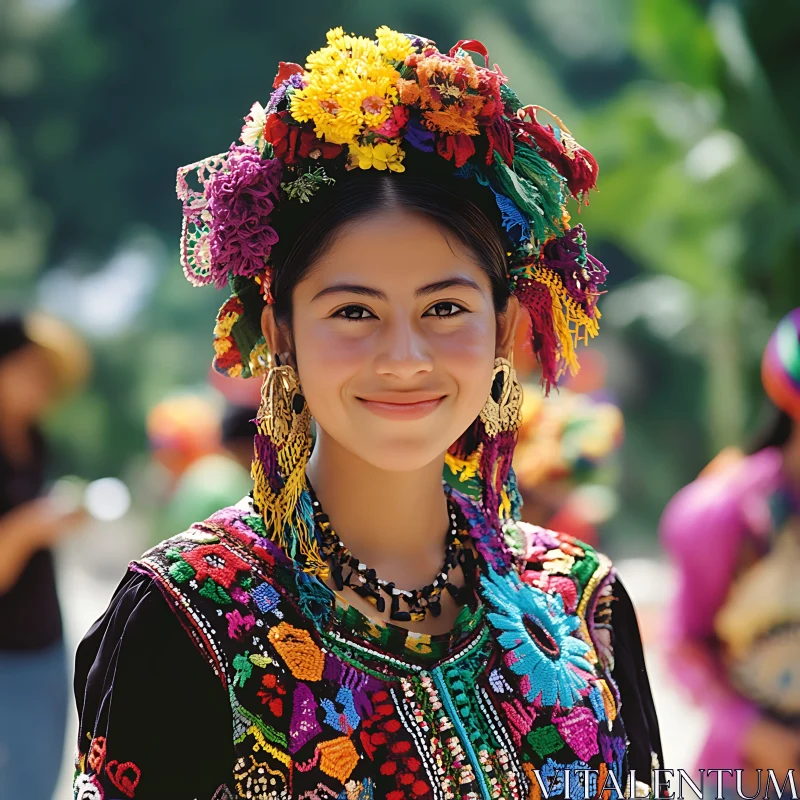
(282, 448)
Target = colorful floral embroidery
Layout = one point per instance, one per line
(537, 635)
(344, 708)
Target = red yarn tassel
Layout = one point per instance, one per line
(496, 458)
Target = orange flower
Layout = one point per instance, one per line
(409, 91)
(459, 118)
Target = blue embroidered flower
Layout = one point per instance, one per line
(537, 632)
(554, 776)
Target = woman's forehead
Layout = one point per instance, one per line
(394, 249)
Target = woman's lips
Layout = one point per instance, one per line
(402, 406)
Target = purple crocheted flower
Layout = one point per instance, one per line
(241, 200)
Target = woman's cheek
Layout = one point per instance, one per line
(470, 345)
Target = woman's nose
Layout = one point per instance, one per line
(404, 351)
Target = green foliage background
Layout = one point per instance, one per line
(690, 107)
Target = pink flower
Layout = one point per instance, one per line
(237, 624)
(394, 124)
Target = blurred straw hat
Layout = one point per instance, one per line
(68, 352)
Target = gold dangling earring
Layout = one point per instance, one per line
(501, 417)
(282, 448)
(503, 407)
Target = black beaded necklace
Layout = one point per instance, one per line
(364, 581)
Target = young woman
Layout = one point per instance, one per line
(372, 621)
(734, 535)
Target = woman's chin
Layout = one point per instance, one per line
(403, 456)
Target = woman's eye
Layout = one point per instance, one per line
(444, 310)
(353, 312)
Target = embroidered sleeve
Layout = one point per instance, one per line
(154, 720)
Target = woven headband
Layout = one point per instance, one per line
(363, 104)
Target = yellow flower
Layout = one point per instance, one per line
(385, 155)
(351, 86)
(393, 45)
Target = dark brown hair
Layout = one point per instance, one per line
(463, 210)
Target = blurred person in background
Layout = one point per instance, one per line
(41, 360)
(734, 536)
(563, 461)
(217, 479)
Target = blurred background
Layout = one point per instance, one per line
(689, 107)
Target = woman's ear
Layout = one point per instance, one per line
(507, 327)
(277, 336)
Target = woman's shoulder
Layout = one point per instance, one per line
(544, 551)
(233, 588)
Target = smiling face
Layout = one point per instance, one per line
(394, 334)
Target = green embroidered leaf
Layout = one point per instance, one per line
(259, 660)
(243, 667)
(545, 740)
(181, 571)
(246, 583)
(213, 591)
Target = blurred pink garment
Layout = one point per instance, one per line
(705, 529)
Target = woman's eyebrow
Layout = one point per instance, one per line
(349, 288)
(449, 283)
(423, 291)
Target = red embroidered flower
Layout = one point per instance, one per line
(216, 562)
(271, 693)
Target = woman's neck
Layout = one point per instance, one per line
(395, 522)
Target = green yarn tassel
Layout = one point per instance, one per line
(509, 97)
(536, 188)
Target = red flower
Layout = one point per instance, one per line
(392, 725)
(458, 147)
(420, 788)
(388, 768)
(216, 562)
(285, 71)
(401, 747)
(270, 693)
(368, 746)
(294, 142)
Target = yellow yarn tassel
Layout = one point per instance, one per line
(571, 323)
(282, 448)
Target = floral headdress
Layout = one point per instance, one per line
(362, 104)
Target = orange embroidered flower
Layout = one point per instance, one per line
(339, 758)
(301, 654)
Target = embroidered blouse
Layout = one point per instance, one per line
(221, 671)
